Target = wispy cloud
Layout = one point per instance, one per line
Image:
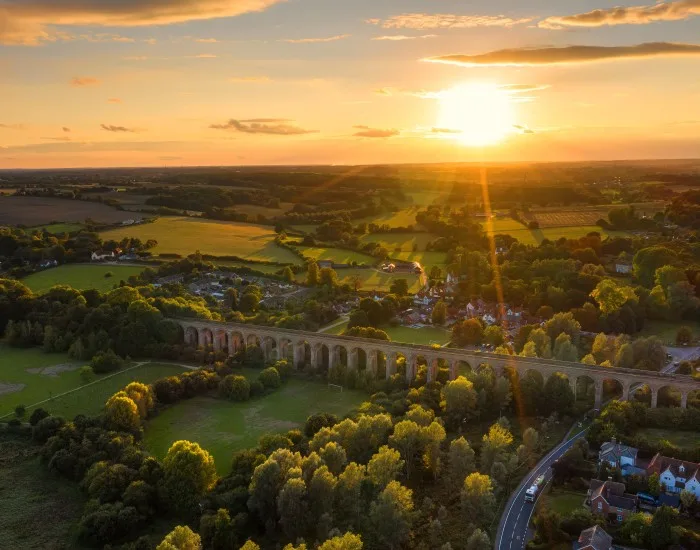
(401, 37)
(632, 15)
(206, 40)
(250, 79)
(118, 129)
(82, 81)
(446, 21)
(66, 129)
(32, 22)
(384, 91)
(368, 132)
(270, 126)
(114, 100)
(568, 54)
(135, 58)
(315, 40)
(202, 56)
(12, 126)
(60, 138)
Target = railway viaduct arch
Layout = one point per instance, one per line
(296, 345)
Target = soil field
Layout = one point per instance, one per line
(33, 211)
(184, 236)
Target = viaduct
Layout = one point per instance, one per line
(320, 349)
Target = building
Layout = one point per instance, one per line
(624, 268)
(322, 264)
(102, 256)
(609, 499)
(617, 455)
(594, 538)
(676, 475)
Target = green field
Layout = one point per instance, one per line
(58, 228)
(223, 427)
(184, 236)
(402, 218)
(337, 255)
(372, 279)
(81, 277)
(28, 376)
(264, 268)
(536, 236)
(562, 502)
(683, 439)
(407, 335)
(667, 330)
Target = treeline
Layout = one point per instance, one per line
(207, 198)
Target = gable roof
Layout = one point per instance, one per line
(596, 538)
(613, 451)
(659, 464)
(613, 493)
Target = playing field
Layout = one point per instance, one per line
(184, 236)
(33, 211)
(337, 255)
(80, 277)
(223, 427)
(28, 376)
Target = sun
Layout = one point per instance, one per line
(476, 114)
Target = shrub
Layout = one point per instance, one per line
(106, 361)
(20, 411)
(87, 374)
(235, 387)
(270, 378)
(256, 388)
(109, 274)
(284, 368)
(38, 415)
(46, 428)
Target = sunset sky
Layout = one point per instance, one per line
(222, 82)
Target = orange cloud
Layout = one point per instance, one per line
(446, 21)
(314, 40)
(250, 79)
(117, 129)
(114, 100)
(270, 126)
(81, 81)
(568, 54)
(633, 15)
(366, 131)
(401, 37)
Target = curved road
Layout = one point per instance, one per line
(514, 524)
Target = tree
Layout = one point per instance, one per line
(356, 282)
(564, 349)
(231, 298)
(494, 446)
(288, 275)
(612, 295)
(250, 545)
(563, 322)
(648, 260)
(624, 358)
(391, 516)
(558, 395)
(468, 332)
(399, 287)
(531, 441)
(312, 274)
(328, 277)
(349, 541)
(477, 499)
(460, 462)
(661, 533)
(493, 336)
(479, 540)
(384, 466)
(106, 361)
(122, 413)
(687, 499)
(684, 336)
(459, 401)
(408, 440)
(349, 494)
(439, 315)
(542, 343)
(334, 457)
(249, 302)
(235, 387)
(293, 507)
(654, 485)
(322, 492)
(181, 538)
(188, 472)
(317, 421)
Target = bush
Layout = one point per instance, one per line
(46, 428)
(20, 411)
(109, 274)
(256, 388)
(235, 387)
(284, 368)
(106, 361)
(87, 374)
(38, 415)
(270, 378)
(317, 421)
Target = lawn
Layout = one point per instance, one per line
(683, 439)
(563, 502)
(403, 241)
(184, 236)
(38, 509)
(426, 259)
(667, 330)
(223, 427)
(407, 335)
(403, 218)
(337, 255)
(28, 376)
(81, 277)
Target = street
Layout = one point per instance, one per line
(514, 524)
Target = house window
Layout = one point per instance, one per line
(600, 506)
(619, 518)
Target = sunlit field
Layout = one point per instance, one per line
(337, 255)
(81, 277)
(372, 279)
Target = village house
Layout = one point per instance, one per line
(593, 538)
(101, 256)
(609, 499)
(676, 475)
(618, 455)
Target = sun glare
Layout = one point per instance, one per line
(476, 114)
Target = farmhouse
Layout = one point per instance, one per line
(676, 475)
(594, 538)
(608, 498)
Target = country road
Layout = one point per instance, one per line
(514, 524)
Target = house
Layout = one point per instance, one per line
(594, 538)
(102, 256)
(489, 319)
(322, 264)
(617, 455)
(676, 475)
(471, 310)
(608, 499)
(624, 268)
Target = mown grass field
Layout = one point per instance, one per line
(683, 439)
(667, 330)
(34, 211)
(562, 502)
(337, 255)
(536, 236)
(28, 376)
(38, 509)
(80, 277)
(223, 427)
(184, 236)
(403, 218)
(375, 280)
(424, 335)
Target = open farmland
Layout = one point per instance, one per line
(534, 237)
(184, 236)
(80, 277)
(337, 255)
(33, 211)
(58, 228)
(584, 215)
(372, 279)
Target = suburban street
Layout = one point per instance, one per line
(514, 524)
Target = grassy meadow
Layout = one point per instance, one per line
(80, 277)
(535, 236)
(184, 236)
(426, 336)
(376, 280)
(337, 255)
(223, 427)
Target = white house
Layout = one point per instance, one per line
(489, 319)
(471, 310)
(676, 475)
(617, 455)
(101, 256)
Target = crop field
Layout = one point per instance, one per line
(184, 236)
(33, 211)
(58, 228)
(403, 241)
(426, 259)
(223, 427)
(373, 279)
(584, 215)
(403, 218)
(536, 236)
(254, 210)
(80, 277)
(337, 255)
(504, 225)
(28, 376)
